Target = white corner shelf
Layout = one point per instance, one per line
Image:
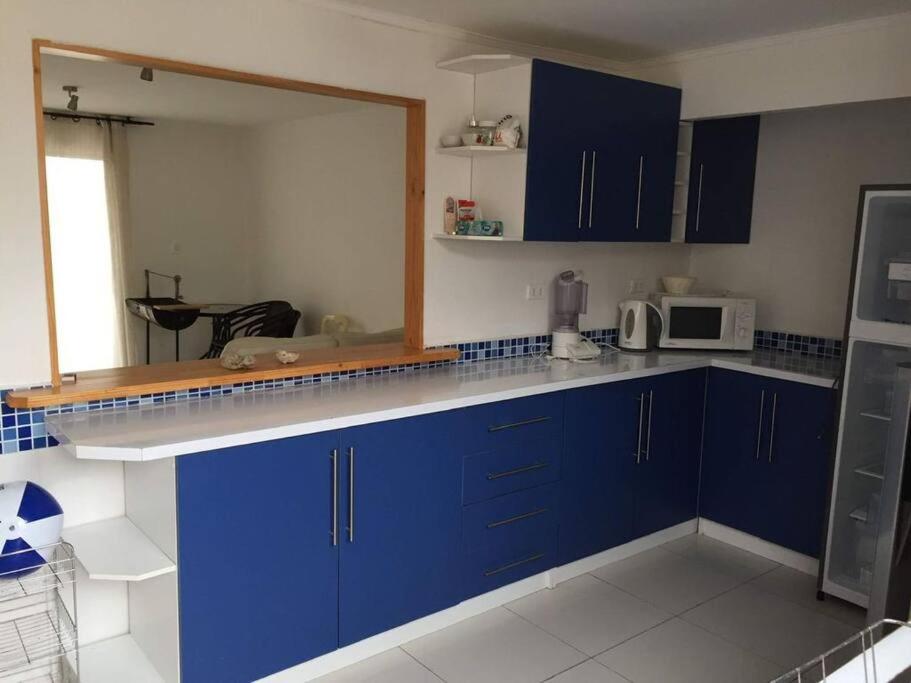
(477, 151)
(114, 661)
(479, 64)
(116, 550)
(475, 238)
(874, 470)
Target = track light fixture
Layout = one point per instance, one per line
(146, 74)
(73, 103)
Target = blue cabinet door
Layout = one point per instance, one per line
(733, 486)
(667, 475)
(258, 573)
(401, 522)
(797, 455)
(599, 462)
(722, 175)
(559, 162)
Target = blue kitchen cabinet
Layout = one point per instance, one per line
(668, 471)
(601, 442)
(258, 572)
(601, 157)
(401, 529)
(722, 175)
(765, 457)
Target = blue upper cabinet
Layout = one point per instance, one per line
(400, 522)
(722, 175)
(258, 571)
(601, 157)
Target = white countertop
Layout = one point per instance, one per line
(150, 432)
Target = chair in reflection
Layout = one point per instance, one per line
(264, 319)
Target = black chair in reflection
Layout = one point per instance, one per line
(264, 319)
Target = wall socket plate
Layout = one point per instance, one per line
(534, 292)
(636, 286)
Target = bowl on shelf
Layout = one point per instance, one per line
(451, 141)
(677, 284)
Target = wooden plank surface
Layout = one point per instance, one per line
(197, 374)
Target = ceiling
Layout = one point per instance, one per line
(626, 30)
(111, 88)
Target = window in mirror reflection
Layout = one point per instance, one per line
(281, 212)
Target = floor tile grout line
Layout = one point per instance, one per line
(422, 664)
(731, 642)
(541, 628)
(800, 604)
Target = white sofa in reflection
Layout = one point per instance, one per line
(268, 345)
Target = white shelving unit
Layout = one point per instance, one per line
(114, 661)
(682, 182)
(502, 85)
(475, 151)
(475, 238)
(116, 550)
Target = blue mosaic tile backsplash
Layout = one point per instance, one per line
(24, 430)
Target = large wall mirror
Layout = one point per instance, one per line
(193, 212)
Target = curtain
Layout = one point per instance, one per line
(104, 141)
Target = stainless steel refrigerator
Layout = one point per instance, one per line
(867, 555)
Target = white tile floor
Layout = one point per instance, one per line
(693, 610)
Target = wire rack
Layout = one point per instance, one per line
(38, 636)
(880, 653)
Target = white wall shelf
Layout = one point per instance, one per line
(475, 238)
(114, 661)
(480, 64)
(116, 550)
(479, 151)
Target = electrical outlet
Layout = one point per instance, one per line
(636, 286)
(534, 292)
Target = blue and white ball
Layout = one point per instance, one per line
(30, 521)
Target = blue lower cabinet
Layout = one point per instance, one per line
(258, 574)
(765, 457)
(597, 500)
(522, 555)
(400, 522)
(667, 474)
(512, 468)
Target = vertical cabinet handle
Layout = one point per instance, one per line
(648, 431)
(639, 191)
(699, 198)
(759, 431)
(334, 531)
(591, 192)
(772, 425)
(641, 400)
(581, 189)
(351, 494)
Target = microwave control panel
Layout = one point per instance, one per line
(744, 325)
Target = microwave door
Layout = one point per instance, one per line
(696, 326)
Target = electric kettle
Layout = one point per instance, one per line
(640, 325)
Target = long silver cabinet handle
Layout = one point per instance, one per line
(512, 565)
(759, 431)
(351, 494)
(517, 518)
(521, 423)
(581, 190)
(772, 425)
(334, 530)
(699, 198)
(591, 192)
(641, 400)
(491, 476)
(648, 432)
(639, 191)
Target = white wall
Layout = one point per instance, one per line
(329, 216)
(190, 213)
(809, 168)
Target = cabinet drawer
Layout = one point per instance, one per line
(498, 521)
(507, 423)
(494, 566)
(515, 468)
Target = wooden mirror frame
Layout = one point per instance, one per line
(133, 380)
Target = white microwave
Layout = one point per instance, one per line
(706, 322)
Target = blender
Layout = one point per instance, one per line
(570, 299)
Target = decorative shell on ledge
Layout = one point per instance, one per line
(286, 357)
(234, 361)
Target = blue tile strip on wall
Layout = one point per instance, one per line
(24, 430)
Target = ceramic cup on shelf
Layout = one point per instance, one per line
(450, 140)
